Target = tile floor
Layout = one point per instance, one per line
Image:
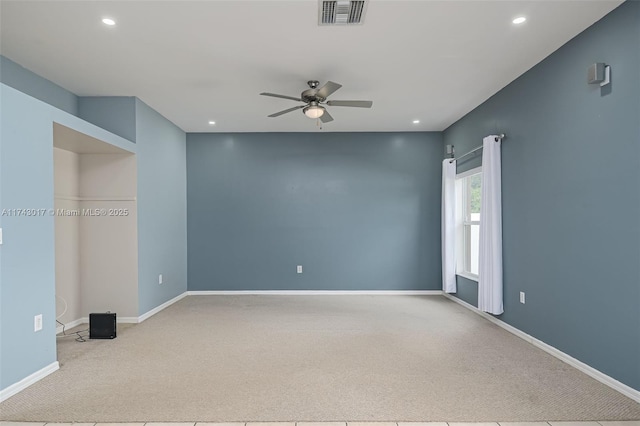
(603, 423)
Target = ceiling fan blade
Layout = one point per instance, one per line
(326, 117)
(274, 95)
(277, 114)
(357, 104)
(328, 89)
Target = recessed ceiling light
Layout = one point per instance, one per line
(108, 21)
(416, 121)
(519, 20)
(212, 123)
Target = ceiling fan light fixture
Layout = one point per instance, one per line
(313, 111)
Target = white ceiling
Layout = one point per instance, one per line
(195, 61)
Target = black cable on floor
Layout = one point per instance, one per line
(78, 337)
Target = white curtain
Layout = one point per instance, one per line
(448, 226)
(490, 262)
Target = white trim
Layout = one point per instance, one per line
(157, 309)
(72, 324)
(125, 320)
(317, 292)
(587, 369)
(13, 389)
(85, 320)
(463, 224)
(468, 276)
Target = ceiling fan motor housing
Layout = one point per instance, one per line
(311, 95)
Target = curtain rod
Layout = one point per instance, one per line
(497, 138)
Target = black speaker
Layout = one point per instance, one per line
(102, 326)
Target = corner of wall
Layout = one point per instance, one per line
(162, 179)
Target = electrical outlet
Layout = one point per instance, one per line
(299, 269)
(37, 323)
(160, 279)
(522, 297)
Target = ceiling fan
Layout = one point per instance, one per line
(314, 100)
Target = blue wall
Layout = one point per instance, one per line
(28, 267)
(570, 171)
(116, 114)
(359, 211)
(28, 274)
(162, 208)
(22, 79)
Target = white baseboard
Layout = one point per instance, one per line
(85, 320)
(316, 292)
(72, 324)
(13, 389)
(587, 369)
(125, 320)
(157, 309)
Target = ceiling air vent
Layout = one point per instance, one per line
(341, 12)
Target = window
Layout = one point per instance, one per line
(468, 205)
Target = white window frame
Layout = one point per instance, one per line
(463, 224)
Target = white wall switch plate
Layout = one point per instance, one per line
(299, 269)
(37, 323)
(160, 279)
(522, 297)
(0, 236)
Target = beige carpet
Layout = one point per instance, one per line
(314, 358)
